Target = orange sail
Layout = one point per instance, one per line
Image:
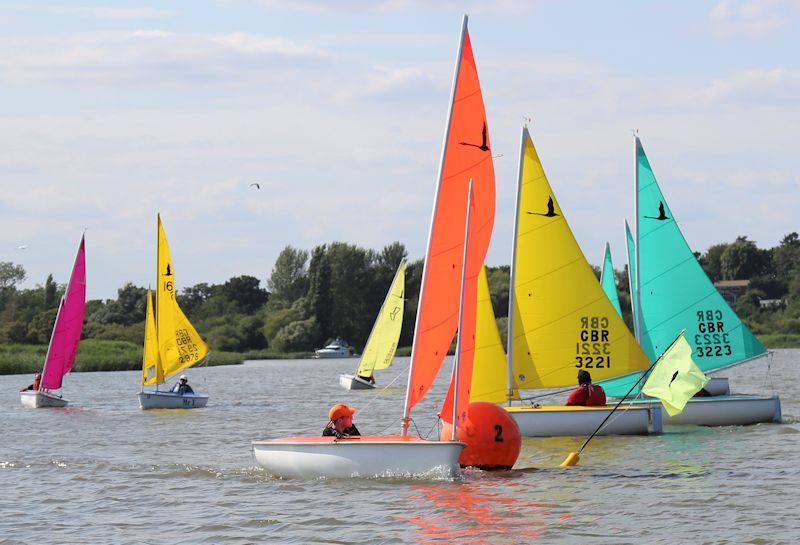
(466, 155)
(462, 371)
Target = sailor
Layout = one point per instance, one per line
(370, 379)
(37, 379)
(340, 422)
(182, 386)
(587, 394)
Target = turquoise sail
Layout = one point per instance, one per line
(675, 293)
(607, 281)
(631, 248)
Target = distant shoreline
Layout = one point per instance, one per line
(98, 355)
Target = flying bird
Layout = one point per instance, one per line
(256, 185)
(551, 210)
(661, 214)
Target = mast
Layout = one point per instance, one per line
(383, 305)
(406, 407)
(637, 273)
(512, 276)
(457, 363)
(60, 308)
(155, 299)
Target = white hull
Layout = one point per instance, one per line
(557, 421)
(326, 354)
(718, 386)
(735, 410)
(167, 400)
(393, 456)
(350, 382)
(37, 400)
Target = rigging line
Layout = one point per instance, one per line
(382, 390)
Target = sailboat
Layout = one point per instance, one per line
(461, 227)
(560, 320)
(671, 292)
(171, 343)
(64, 339)
(382, 342)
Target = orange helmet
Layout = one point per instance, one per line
(339, 410)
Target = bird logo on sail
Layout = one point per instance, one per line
(551, 210)
(484, 146)
(661, 213)
(169, 271)
(393, 314)
(674, 376)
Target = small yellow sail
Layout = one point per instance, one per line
(382, 342)
(489, 372)
(563, 320)
(179, 344)
(152, 372)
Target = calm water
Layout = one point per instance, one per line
(103, 471)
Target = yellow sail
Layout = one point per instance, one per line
(489, 372)
(382, 342)
(563, 320)
(152, 372)
(179, 344)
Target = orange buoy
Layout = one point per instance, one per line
(493, 438)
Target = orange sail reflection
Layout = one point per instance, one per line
(470, 514)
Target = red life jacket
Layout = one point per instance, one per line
(589, 395)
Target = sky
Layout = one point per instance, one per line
(114, 111)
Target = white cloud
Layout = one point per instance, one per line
(751, 18)
(765, 87)
(148, 56)
(127, 14)
(469, 6)
(384, 83)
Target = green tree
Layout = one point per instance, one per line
(41, 326)
(289, 278)
(11, 275)
(743, 260)
(320, 299)
(50, 289)
(301, 335)
(711, 261)
(786, 257)
(245, 293)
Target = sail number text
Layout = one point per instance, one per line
(712, 339)
(593, 350)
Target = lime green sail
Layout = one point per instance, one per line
(607, 280)
(674, 291)
(382, 342)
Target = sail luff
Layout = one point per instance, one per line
(636, 298)
(372, 352)
(512, 301)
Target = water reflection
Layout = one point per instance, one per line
(486, 507)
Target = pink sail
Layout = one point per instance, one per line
(68, 327)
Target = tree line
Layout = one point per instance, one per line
(336, 290)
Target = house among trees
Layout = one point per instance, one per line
(731, 289)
